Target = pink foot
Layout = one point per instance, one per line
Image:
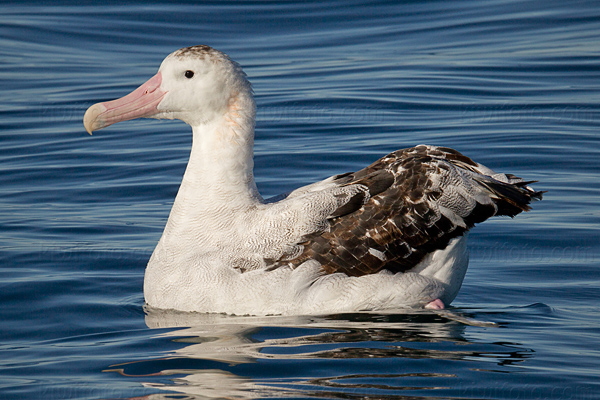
(436, 304)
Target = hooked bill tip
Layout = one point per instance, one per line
(90, 119)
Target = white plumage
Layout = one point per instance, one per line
(390, 235)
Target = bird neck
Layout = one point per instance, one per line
(220, 170)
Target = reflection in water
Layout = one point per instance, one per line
(251, 357)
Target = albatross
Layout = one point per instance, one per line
(391, 235)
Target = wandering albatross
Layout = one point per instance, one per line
(390, 235)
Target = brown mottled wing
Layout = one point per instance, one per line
(420, 198)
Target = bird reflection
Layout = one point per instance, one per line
(224, 356)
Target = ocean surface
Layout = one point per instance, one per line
(512, 84)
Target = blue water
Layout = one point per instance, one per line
(513, 84)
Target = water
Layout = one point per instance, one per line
(513, 84)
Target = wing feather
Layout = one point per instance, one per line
(419, 199)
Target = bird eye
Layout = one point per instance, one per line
(189, 74)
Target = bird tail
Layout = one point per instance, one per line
(511, 197)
